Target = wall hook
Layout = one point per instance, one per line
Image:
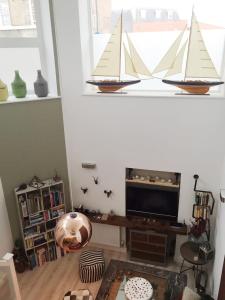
(95, 179)
(108, 193)
(84, 190)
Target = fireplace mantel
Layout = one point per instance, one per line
(139, 223)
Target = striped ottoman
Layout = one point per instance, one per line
(92, 265)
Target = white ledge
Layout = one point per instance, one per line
(29, 98)
(154, 94)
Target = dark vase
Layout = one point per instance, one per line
(40, 85)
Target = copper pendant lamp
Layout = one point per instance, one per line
(73, 231)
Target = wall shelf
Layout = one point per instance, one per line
(156, 185)
(139, 223)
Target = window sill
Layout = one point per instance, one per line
(154, 94)
(29, 98)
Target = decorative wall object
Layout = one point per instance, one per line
(19, 88)
(88, 165)
(95, 180)
(3, 91)
(108, 193)
(40, 85)
(84, 190)
(222, 195)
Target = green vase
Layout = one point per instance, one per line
(3, 91)
(19, 86)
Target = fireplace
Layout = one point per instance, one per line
(152, 194)
(152, 197)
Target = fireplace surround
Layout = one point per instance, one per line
(152, 194)
(154, 197)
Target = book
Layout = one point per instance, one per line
(23, 204)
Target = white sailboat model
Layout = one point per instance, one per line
(109, 64)
(200, 72)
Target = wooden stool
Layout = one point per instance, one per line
(92, 265)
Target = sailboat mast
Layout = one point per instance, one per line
(121, 31)
(188, 51)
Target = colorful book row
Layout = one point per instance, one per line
(35, 203)
(41, 255)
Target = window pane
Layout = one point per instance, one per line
(26, 60)
(17, 18)
(153, 26)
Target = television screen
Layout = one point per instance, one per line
(152, 203)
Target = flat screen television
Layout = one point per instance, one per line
(152, 203)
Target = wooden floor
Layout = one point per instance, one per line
(54, 279)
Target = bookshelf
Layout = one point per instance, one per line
(39, 210)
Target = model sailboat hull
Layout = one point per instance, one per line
(193, 86)
(111, 86)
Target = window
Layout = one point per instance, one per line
(160, 32)
(22, 41)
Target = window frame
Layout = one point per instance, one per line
(44, 42)
(86, 40)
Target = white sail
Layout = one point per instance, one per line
(199, 63)
(138, 63)
(129, 66)
(109, 63)
(178, 63)
(168, 59)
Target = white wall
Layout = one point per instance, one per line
(220, 248)
(219, 240)
(175, 134)
(6, 241)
